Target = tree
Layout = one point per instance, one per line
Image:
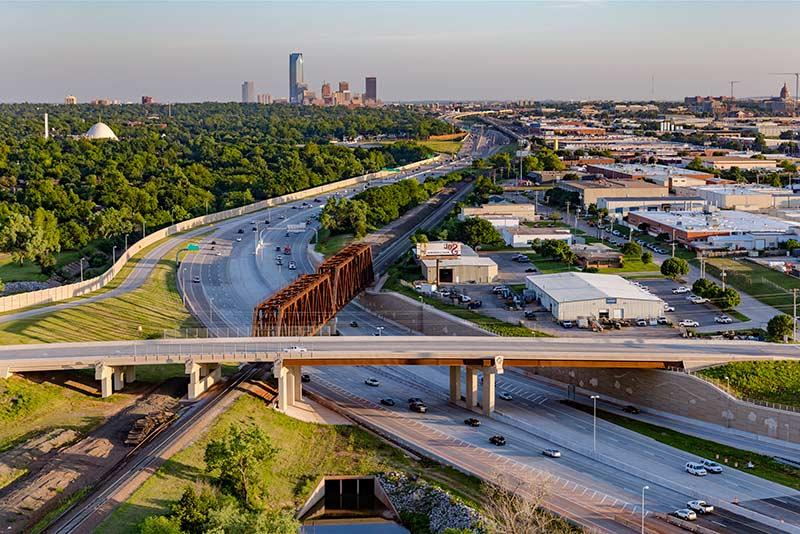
(513, 507)
(728, 299)
(674, 268)
(632, 249)
(475, 231)
(696, 165)
(647, 257)
(159, 524)
(191, 511)
(704, 288)
(237, 457)
(791, 244)
(780, 327)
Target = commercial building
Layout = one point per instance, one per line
(727, 162)
(146, 100)
(501, 221)
(598, 256)
(745, 197)
(264, 98)
(590, 191)
(295, 77)
(620, 207)
(70, 100)
(658, 174)
(248, 92)
(524, 236)
(573, 295)
(692, 226)
(523, 212)
(371, 86)
(458, 265)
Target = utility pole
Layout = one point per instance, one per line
(673, 242)
(794, 314)
(724, 275)
(733, 82)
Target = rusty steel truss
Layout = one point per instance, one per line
(310, 302)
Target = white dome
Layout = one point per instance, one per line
(101, 131)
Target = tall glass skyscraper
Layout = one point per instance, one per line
(295, 77)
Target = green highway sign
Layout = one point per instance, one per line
(193, 247)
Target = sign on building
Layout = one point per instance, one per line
(439, 249)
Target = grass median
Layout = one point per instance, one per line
(768, 381)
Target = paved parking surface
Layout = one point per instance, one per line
(702, 313)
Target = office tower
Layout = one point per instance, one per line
(264, 98)
(344, 86)
(372, 89)
(295, 77)
(248, 92)
(147, 100)
(326, 90)
(70, 100)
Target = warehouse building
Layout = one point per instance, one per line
(573, 295)
(590, 191)
(459, 265)
(746, 197)
(523, 236)
(620, 207)
(658, 174)
(523, 212)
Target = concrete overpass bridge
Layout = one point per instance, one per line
(115, 362)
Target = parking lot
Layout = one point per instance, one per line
(508, 270)
(702, 313)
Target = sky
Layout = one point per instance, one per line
(184, 51)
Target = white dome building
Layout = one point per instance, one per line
(101, 131)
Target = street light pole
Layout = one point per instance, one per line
(114, 255)
(421, 314)
(82, 260)
(643, 489)
(126, 242)
(380, 330)
(594, 422)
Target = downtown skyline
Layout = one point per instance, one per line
(446, 51)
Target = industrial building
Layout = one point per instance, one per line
(620, 207)
(727, 162)
(461, 265)
(523, 236)
(743, 197)
(572, 295)
(590, 191)
(658, 174)
(523, 212)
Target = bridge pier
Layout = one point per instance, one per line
(488, 393)
(455, 383)
(290, 384)
(201, 377)
(105, 375)
(472, 387)
(130, 374)
(119, 378)
(5, 372)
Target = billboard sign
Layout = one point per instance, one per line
(439, 249)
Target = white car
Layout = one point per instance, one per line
(552, 453)
(680, 290)
(372, 382)
(685, 514)
(700, 506)
(668, 308)
(689, 323)
(696, 469)
(699, 300)
(711, 467)
(295, 348)
(506, 396)
(238, 239)
(723, 319)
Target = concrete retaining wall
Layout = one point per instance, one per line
(55, 294)
(680, 394)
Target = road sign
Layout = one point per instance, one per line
(192, 247)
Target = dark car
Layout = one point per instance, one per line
(294, 207)
(387, 402)
(631, 409)
(498, 440)
(213, 242)
(472, 422)
(305, 377)
(240, 231)
(412, 400)
(474, 304)
(418, 407)
(255, 229)
(530, 270)
(530, 315)
(317, 200)
(354, 324)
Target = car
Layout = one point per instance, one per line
(506, 396)
(681, 290)
(700, 506)
(283, 216)
(415, 400)
(294, 207)
(566, 324)
(631, 409)
(196, 279)
(475, 304)
(387, 402)
(530, 315)
(354, 324)
(277, 249)
(685, 514)
(464, 298)
(317, 200)
(498, 289)
(292, 266)
(219, 253)
(418, 407)
(689, 323)
(254, 229)
(530, 270)
(698, 300)
(372, 382)
(662, 320)
(711, 467)
(524, 259)
(253, 222)
(552, 453)
(238, 239)
(641, 322)
(472, 422)
(305, 377)
(668, 308)
(696, 469)
(723, 319)
(295, 348)
(240, 231)
(497, 440)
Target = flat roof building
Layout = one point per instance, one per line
(523, 236)
(468, 268)
(571, 295)
(523, 212)
(659, 174)
(589, 191)
(727, 162)
(622, 206)
(745, 197)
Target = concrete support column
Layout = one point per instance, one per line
(297, 383)
(488, 393)
(130, 374)
(331, 326)
(201, 377)
(105, 375)
(285, 385)
(5, 372)
(472, 387)
(455, 383)
(119, 378)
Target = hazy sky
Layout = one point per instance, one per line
(195, 51)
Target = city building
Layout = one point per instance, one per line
(501, 221)
(782, 104)
(103, 102)
(690, 227)
(726, 162)
(371, 85)
(620, 207)
(295, 77)
(146, 100)
(464, 267)
(744, 197)
(524, 236)
(264, 98)
(326, 94)
(589, 191)
(344, 86)
(598, 256)
(659, 174)
(573, 295)
(100, 130)
(248, 92)
(522, 212)
(70, 100)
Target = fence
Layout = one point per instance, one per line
(55, 294)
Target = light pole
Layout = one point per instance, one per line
(421, 314)
(594, 422)
(211, 313)
(643, 489)
(114, 255)
(380, 330)
(126, 242)
(728, 389)
(82, 260)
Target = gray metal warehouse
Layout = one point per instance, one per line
(571, 295)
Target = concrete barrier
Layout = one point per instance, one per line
(56, 294)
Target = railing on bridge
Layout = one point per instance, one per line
(306, 305)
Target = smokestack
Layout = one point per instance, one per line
(46, 127)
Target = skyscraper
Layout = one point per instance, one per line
(70, 100)
(295, 77)
(372, 89)
(248, 92)
(146, 99)
(344, 86)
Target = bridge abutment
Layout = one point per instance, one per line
(201, 377)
